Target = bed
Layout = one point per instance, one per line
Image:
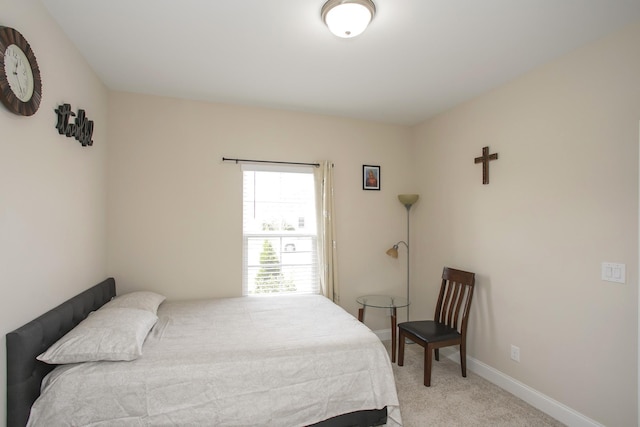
(285, 361)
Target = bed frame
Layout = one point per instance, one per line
(25, 373)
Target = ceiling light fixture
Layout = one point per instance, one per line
(348, 18)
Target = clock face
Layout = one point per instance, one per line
(18, 71)
(20, 82)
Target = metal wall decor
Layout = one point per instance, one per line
(81, 129)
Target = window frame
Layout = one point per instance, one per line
(312, 266)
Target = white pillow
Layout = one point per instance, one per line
(106, 334)
(142, 300)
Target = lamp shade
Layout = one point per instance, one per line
(408, 199)
(348, 18)
(393, 252)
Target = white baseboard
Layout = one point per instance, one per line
(538, 400)
(552, 407)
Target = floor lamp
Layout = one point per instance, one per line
(407, 200)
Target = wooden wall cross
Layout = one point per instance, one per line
(485, 159)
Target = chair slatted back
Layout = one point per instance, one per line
(456, 292)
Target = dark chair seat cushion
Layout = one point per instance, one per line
(430, 331)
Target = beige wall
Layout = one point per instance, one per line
(563, 198)
(175, 209)
(52, 190)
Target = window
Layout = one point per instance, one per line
(279, 231)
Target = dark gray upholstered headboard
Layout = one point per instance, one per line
(24, 372)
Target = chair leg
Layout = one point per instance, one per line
(401, 349)
(437, 352)
(427, 365)
(463, 358)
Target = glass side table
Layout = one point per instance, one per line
(383, 301)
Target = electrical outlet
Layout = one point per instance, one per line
(515, 353)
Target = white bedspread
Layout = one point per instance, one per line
(252, 361)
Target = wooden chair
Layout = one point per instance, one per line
(449, 326)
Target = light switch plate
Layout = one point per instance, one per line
(614, 272)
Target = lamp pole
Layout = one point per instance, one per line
(407, 200)
(408, 206)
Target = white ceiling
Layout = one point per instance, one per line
(417, 58)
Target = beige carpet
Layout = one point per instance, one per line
(456, 401)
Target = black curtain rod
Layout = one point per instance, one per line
(224, 159)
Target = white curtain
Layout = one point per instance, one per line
(327, 248)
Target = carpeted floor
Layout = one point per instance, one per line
(456, 401)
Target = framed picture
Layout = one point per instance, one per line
(370, 177)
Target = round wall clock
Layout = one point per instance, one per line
(20, 82)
